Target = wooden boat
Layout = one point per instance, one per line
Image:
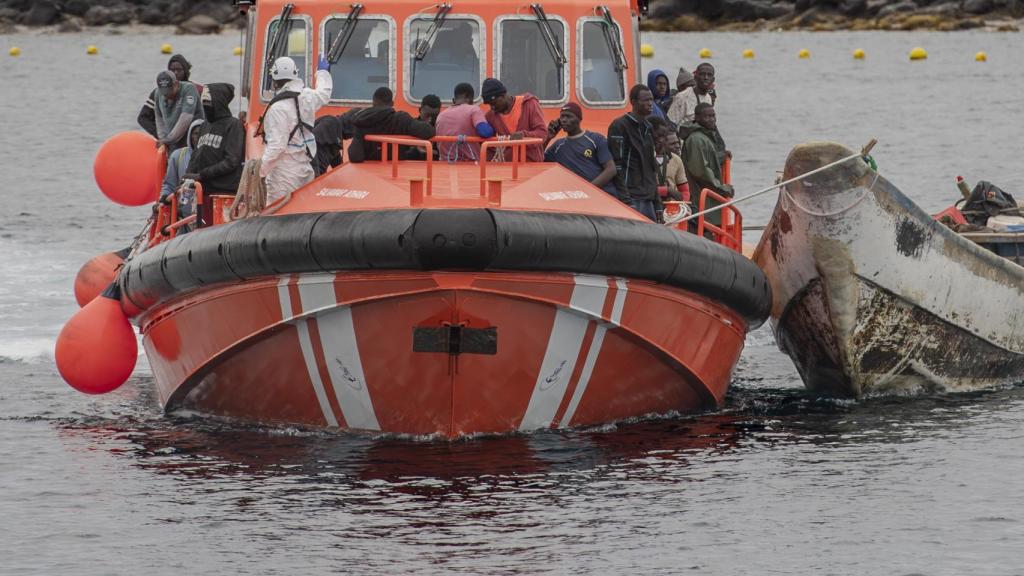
(429, 298)
(873, 295)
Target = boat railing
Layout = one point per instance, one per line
(730, 233)
(420, 187)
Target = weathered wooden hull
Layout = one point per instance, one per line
(871, 295)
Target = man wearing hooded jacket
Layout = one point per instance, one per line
(382, 118)
(220, 152)
(288, 127)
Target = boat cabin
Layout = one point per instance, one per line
(559, 51)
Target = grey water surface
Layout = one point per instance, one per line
(777, 482)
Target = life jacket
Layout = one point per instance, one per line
(286, 95)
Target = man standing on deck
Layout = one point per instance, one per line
(684, 104)
(462, 119)
(287, 127)
(584, 153)
(177, 104)
(703, 155)
(517, 117)
(220, 152)
(631, 142)
(182, 70)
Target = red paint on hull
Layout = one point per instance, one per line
(312, 349)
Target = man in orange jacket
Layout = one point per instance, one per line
(515, 116)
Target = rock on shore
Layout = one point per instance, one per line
(824, 15)
(190, 16)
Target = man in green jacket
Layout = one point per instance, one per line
(703, 155)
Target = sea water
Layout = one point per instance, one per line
(777, 482)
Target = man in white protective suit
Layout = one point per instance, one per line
(287, 127)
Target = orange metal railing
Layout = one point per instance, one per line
(730, 233)
(489, 187)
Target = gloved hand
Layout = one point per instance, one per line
(323, 64)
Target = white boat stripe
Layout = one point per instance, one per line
(305, 344)
(285, 298)
(594, 352)
(563, 350)
(341, 351)
(620, 301)
(588, 369)
(314, 373)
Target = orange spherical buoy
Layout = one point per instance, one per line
(129, 168)
(96, 274)
(96, 350)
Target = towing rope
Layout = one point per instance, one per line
(780, 185)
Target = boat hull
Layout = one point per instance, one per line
(871, 295)
(441, 353)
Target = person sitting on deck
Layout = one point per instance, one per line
(517, 117)
(703, 154)
(220, 153)
(177, 104)
(462, 119)
(287, 127)
(684, 104)
(182, 70)
(430, 107)
(583, 152)
(631, 142)
(383, 119)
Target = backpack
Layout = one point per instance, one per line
(294, 96)
(988, 200)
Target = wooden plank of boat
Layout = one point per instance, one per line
(872, 295)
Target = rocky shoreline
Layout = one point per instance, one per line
(187, 16)
(829, 15)
(213, 16)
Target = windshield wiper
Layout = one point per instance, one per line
(423, 46)
(280, 40)
(551, 39)
(614, 43)
(341, 42)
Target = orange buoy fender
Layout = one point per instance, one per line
(97, 350)
(96, 274)
(129, 168)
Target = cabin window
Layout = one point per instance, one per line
(366, 62)
(527, 59)
(599, 78)
(440, 53)
(296, 47)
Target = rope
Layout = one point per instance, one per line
(251, 198)
(863, 152)
(788, 198)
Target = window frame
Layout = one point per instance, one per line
(265, 72)
(407, 52)
(566, 68)
(392, 39)
(580, 23)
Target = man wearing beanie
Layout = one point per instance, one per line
(515, 116)
(582, 152)
(182, 70)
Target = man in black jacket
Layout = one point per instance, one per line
(631, 142)
(217, 160)
(383, 119)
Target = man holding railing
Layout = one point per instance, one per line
(516, 117)
(703, 155)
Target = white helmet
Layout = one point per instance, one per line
(284, 69)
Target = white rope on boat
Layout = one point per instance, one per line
(863, 152)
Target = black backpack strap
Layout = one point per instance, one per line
(299, 127)
(277, 98)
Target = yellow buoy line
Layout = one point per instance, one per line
(916, 53)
